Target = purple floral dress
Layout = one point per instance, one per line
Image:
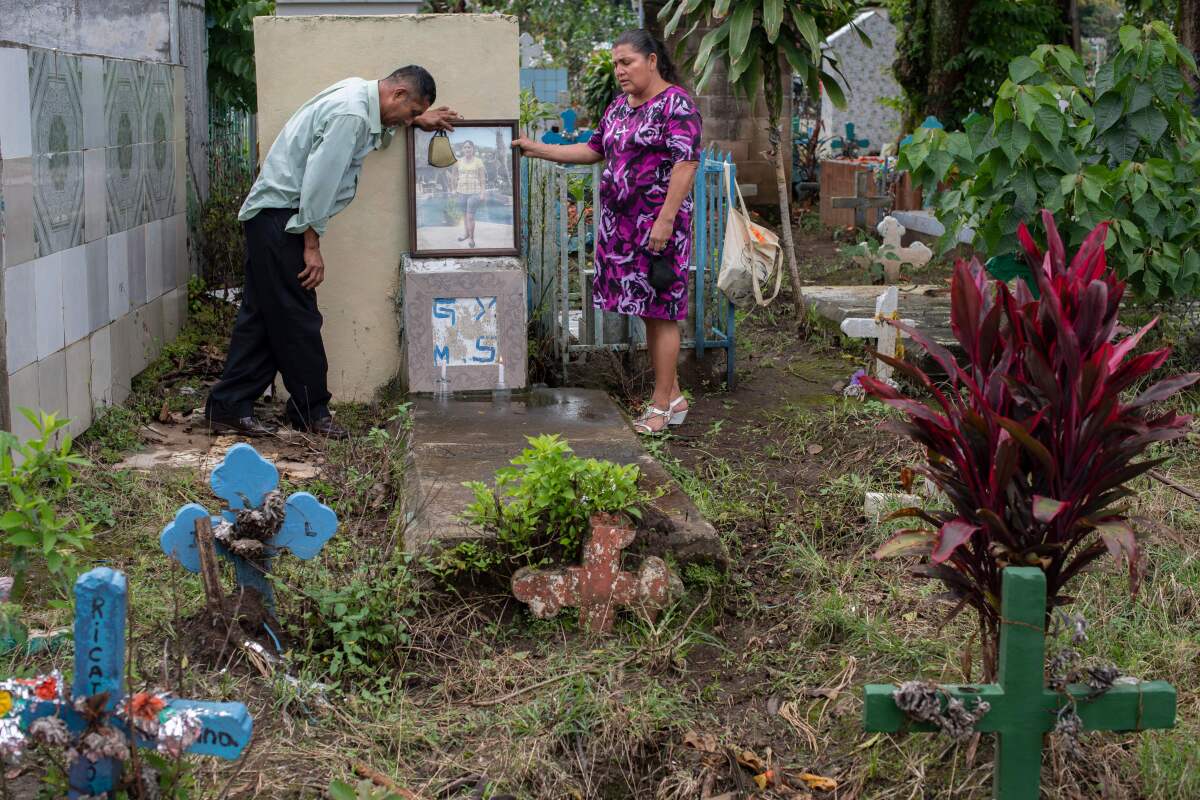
(640, 147)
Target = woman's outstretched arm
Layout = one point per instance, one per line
(558, 153)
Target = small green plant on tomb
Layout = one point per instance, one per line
(36, 477)
(1127, 150)
(534, 112)
(1032, 439)
(360, 624)
(540, 508)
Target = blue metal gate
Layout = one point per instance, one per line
(559, 237)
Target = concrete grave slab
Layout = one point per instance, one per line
(928, 306)
(469, 439)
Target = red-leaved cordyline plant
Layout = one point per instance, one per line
(1031, 440)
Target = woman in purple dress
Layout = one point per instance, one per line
(649, 141)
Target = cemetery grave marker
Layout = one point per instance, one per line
(569, 134)
(848, 145)
(879, 329)
(267, 523)
(598, 586)
(1022, 708)
(97, 710)
(862, 199)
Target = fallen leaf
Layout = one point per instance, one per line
(750, 761)
(911, 616)
(164, 413)
(906, 478)
(701, 742)
(818, 782)
(773, 705)
(869, 742)
(814, 449)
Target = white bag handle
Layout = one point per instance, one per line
(730, 187)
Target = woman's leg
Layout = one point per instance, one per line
(662, 341)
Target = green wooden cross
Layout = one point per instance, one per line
(1023, 709)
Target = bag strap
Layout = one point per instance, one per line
(745, 217)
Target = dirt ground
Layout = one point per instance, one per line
(757, 668)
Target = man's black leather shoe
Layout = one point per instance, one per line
(243, 426)
(326, 427)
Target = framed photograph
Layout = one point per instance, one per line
(471, 207)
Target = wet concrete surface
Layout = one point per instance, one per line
(928, 306)
(469, 438)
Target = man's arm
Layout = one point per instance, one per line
(323, 173)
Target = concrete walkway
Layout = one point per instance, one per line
(467, 439)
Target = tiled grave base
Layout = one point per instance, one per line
(465, 315)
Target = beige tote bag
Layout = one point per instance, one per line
(752, 254)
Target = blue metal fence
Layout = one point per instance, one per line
(559, 236)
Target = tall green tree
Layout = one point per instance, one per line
(568, 29)
(952, 55)
(762, 43)
(231, 50)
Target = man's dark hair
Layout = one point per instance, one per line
(418, 79)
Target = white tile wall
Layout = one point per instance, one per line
(75, 294)
(154, 259)
(97, 279)
(171, 308)
(18, 207)
(95, 134)
(23, 393)
(79, 392)
(52, 383)
(118, 275)
(121, 348)
(16, 129)
(154, 321)
(48, 304)
(95, 220)
(19, 314)
(101, 383)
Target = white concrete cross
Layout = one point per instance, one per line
(860, 328)
(892, 254)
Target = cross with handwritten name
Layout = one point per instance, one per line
(101, 598)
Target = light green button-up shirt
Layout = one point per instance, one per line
(315, 161)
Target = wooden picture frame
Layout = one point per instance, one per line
(433, 196)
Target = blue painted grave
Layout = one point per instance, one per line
(848, 145)
(568, 134)
(96, 713)
(245, 481)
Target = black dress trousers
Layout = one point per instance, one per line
(278, 329)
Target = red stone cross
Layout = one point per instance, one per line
(598, 586)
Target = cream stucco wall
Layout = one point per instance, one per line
(474, 59)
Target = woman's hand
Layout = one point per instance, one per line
(660, 234)
(527, 146)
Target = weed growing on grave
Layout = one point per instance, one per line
(540, 507)
(1032, 441)
(354, 628)
(35, 478)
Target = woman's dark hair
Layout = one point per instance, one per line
(644, 42)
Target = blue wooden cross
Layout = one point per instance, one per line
(568, 135)
(932, 123)
(849, 145)
(217, 729)
(243, 480)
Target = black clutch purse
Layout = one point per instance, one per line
(662, 276)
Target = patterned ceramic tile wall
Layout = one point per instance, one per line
(93, 234)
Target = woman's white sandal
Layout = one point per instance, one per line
(677, 417)
(642, 424)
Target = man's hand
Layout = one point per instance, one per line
(660, 234)
(314, 268)
(437, 119)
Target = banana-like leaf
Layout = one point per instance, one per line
(833, 89)
(670, 27)
(772, 18)
(741, 23)
(808, 29)
(916, 541)
(720, 9)
(708, 45)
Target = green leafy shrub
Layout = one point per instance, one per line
(542, 504)
(35, 479)
(1126, 151)
(363, 790)
(599, 85)
(354, 629)
(534, 112)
